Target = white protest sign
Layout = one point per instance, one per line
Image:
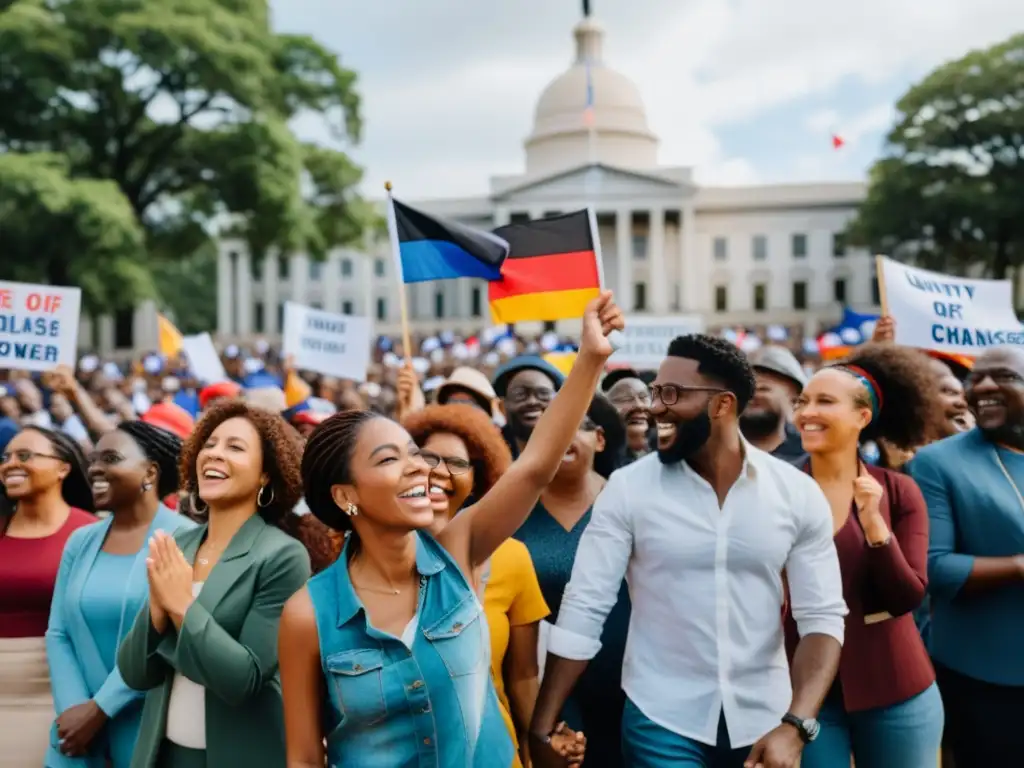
(956, 315)
(645, 340)
(203, 360)
(38, 326)
(327, 343)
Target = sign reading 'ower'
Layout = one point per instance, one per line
(38, 326)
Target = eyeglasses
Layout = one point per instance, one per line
(999, 378)
(455, 465)
(108, 458)
(25, 456)
(627, 398)
(522, 394)
(669, 393)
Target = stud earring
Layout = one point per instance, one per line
(351, 509)
(147, 487)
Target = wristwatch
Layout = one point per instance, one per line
(807, 728)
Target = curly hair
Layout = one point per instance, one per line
(325, 462)
(910, 408)
(160, 447)
(282, 451)
(76, 490)
(487, 449)
(606, 416)
(719, 360)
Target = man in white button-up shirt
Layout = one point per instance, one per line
(703, 531)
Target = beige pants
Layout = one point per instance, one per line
(26, 705)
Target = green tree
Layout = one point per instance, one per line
(184, 106)
(949, 190)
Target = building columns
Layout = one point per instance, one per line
(243, 293)
(624, 258)
(225, 293)
(656, 259)
(332, 282)
(687, 273)
(299, 275)
(271, 296)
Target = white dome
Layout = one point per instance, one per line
(561, 137)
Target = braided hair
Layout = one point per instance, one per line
(76, 490)
(160, 447)
(325, 463)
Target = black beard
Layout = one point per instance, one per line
(1006, 434)
(690, 437)
(759, 424)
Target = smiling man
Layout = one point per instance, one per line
(972, 483)
(526, 385)
(767, 421)
(705, 527)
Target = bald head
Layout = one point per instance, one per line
(1002, 357)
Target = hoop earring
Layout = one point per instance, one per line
(351, 510)
(193, 500)
(259, 497)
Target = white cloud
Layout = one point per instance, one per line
(450, 85)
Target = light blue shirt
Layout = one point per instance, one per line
(427, 704)
(974, 511)
(80, 646)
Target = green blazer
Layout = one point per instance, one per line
(228, 644)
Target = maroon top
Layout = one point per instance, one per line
(884, 662)
(28, 570)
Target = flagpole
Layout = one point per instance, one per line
(595, 239)
(396, 250)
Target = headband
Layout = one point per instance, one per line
(874, 391)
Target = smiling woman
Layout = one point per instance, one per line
(44, 498)
(211, 678)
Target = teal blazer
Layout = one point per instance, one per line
(77, 671)
(227, 644)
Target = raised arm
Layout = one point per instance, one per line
(473, 535)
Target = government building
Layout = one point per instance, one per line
(749, 257)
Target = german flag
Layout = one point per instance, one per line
(551, 271)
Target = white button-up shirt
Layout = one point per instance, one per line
(705, 635)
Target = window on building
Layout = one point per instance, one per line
(721, 249)
(280, 316)
(640, 296)
(639, 246)
(551, 214)
(382, 309)
(549, 325)
(378, 267)
(258, 320)
(876, 296)
(721, 298)
(347, 308)
(124, 331)
(439, 305)
(760, 297)
(799, 295)
(283, 267)
(799, 246)
(838, 245)
(255, 268)
(839, 290)
(316, 269)
(518, 217)
(760, 247)
(316, 304)
(476, 302)
(346, 267)
(94, 326)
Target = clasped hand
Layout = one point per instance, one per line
(600, 318)
(170, 581)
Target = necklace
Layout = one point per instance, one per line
(379, 590)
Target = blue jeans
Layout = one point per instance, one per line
(905, 735)
(648, 745)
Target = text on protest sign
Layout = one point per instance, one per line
(326, 342)
(645, 339)
(38, 326)
(956, 315)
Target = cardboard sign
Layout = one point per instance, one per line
(326, 342)
(38, 326)
(645, 340)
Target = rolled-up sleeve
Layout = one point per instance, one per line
(597, 574)
(812, 569)
(948, 569)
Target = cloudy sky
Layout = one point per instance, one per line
(745, 91)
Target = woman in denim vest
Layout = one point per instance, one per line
(385, 656)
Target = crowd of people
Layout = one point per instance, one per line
(730, 561)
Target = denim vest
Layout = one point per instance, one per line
(433, 706)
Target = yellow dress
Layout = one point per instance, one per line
(512, 598)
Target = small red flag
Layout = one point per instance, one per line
(837, 141)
